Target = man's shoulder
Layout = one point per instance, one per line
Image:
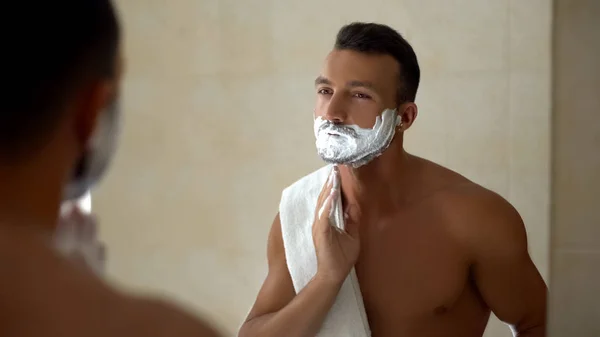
(49, 285)
(461, 196)
(483, 217)
(474, 201)
(157, 317)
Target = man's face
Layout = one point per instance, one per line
(355, 88)
(355, 115)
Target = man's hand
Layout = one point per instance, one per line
(337, 251)
(278, 310)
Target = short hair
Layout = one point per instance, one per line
(50, 50)
(374, 38)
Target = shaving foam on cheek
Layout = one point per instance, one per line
(353, 145)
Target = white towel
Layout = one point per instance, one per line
(347, 317)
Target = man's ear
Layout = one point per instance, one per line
(90, 106)
(408, 114)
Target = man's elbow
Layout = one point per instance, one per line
(249, 327)
(245, 329)
(537, 331)
(257, 325)
(531, 328)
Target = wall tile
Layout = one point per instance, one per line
(460, 35)
(174, 41)
(530, 31)
(575, 294)
(476, 143)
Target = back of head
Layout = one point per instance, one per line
(51, 50)
(373, 38)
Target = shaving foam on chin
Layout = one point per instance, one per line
(353, 145)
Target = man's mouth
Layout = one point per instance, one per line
(332, 133)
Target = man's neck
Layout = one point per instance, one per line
(29, 197)
(380, 185)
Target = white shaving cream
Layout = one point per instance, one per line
(353, 145)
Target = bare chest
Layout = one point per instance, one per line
(411, 270)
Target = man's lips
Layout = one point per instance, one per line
(332, 133)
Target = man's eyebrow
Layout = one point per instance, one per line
(352, 84)
(322, 80)
(364, 84)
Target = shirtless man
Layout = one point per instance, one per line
(59, 109)
(434, 252)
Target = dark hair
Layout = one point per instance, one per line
(373, 38)
(50, 50)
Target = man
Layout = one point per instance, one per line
(433, 252)
(61, 69)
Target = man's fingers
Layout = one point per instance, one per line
(335, 181)
(325, 208)
(325, 190)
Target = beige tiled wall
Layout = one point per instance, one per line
(218, 101)
(575, 280)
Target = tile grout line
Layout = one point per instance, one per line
(509, 142)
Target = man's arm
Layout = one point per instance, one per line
(503, 270)
(278, 311)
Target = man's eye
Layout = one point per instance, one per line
(362, 96)
(324, 92)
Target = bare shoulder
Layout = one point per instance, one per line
(41, 293)
(436, 178)
(467, 198)
(483, 218)
(474, 212)
(156, 317)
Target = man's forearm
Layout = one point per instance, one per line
(302, 317)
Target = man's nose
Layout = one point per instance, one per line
(336, 110)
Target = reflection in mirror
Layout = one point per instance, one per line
(400, 245)
(443, 171)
